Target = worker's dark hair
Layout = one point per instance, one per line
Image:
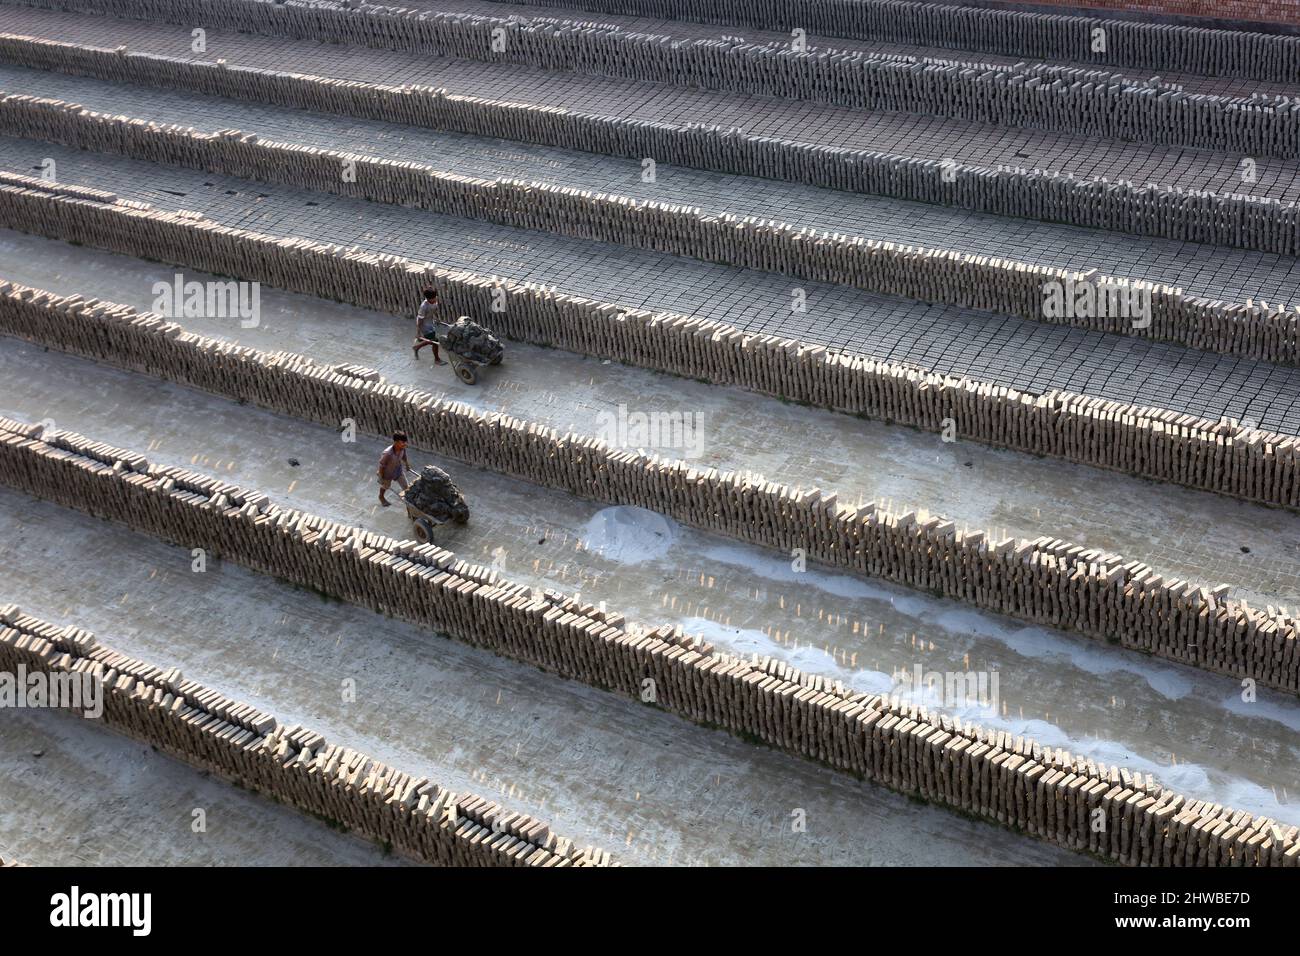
(400, 436)
(431, 293)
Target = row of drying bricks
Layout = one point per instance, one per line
(1104, 595)
(1043, 581)
(298, 767)
(1251, 330)
(1219, 456)
(1161, 47)
(1234, 220)
(1090, 102)
(1064, 799)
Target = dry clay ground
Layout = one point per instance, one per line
(647, 786)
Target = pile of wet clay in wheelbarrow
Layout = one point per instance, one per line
(437, 496)
(467, 338)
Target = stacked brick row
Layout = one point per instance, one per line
(999, 285)
(1046, 581)
(1087, 102)
(1224, 456)
(1161, 47)
(198, 725)
(1241, 221)
(1064, 799)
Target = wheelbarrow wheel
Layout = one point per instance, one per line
(465, 373)
(423, 530)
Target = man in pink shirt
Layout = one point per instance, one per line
(393, 466)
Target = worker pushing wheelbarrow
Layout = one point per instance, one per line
(431, 499)
(468, 344)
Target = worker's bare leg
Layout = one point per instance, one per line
(421, 343)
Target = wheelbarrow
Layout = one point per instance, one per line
(465, 367)
(423, 521)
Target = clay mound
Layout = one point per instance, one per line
(468, 338)
(436, 495)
